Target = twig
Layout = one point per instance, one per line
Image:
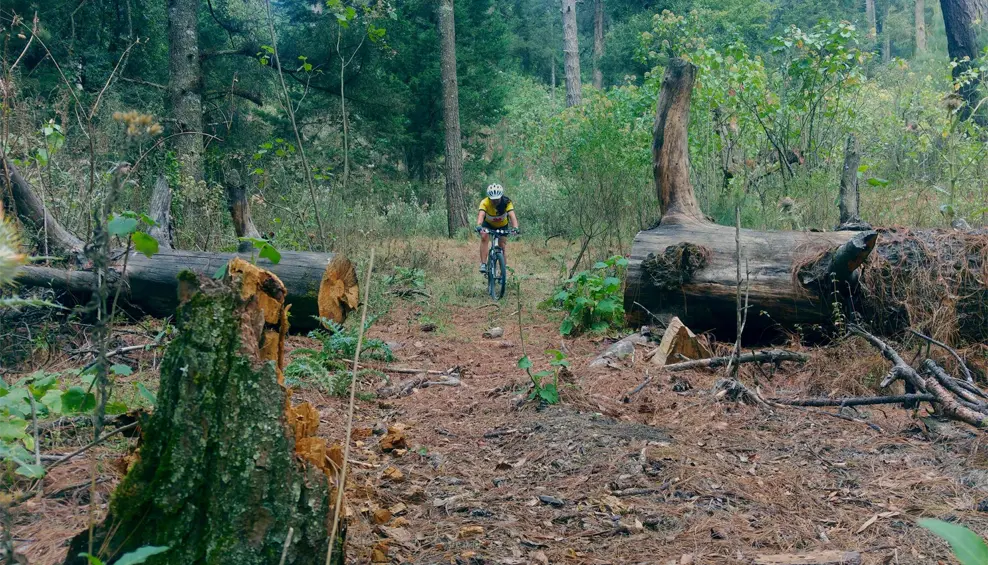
(637, 389)
(854, 400)
(288, 542)
(772, 355)
(91, 445)
(353, 395)
(821, 412)
(951, 350)
(732, 365)
(651, 315)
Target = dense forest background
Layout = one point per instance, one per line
(329, 117)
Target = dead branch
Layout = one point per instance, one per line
(951, 350)
(407, 386)
(854, 400)
(91, 445)
(767, 356)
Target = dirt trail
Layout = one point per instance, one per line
(673, 477)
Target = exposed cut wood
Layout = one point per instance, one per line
(678, 343)
(339, 292)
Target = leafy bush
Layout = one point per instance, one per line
(326, 367)
(593, 298)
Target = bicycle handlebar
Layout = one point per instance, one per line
(498, 231)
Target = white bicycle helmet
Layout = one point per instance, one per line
(495, 191)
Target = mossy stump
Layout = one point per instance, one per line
(220, 479)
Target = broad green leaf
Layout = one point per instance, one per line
(114, 408)
(221, 272)
(121, 226)
(76, 399)
(567, 326)
(606, 306)
(144, 243)
(52, 400)
(599, 265)
(873, 181)
(93, 560)
(121, 370)
(270, 253)
(599, 326)
(968, 546)
(13, 429)
(147, 394)
(141, 555)
(561, 296)
(31, 471)
(42, 383)
(549, 393)
(557, 354)
(525, 363)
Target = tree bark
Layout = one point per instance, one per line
(886, 37)
(185, 85)
(598, 44)
(152, 284)
(160, 212)
(227, 466)
(571, 52)
(872, 20)
(959, 17)
(236, 197)
(33, 213)
(850, 199)
(920, 17)
(456, 211)
(670, 145)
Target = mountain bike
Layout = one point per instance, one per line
(497, 270)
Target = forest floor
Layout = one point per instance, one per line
(486, 480)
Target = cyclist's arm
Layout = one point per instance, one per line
(480, 218)
(513, 219)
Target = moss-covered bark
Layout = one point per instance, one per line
(218, 479)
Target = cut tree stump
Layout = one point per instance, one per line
(814, 558)
(227, 466)
(152, 282)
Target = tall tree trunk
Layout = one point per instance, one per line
(598, 44)
(959, 17)
(185, 84)
(872, 20)
(670, 144)
(456, 211)
(886, 37)
(850, 199)
(160, 212)
(571, 51)
(920, 26)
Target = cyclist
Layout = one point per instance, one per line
(495, 212)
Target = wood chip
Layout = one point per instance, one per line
(470, 531)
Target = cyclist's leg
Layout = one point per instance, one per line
(485, 239)
(503, 243)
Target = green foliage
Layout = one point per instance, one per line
(135, 557)
(593, 299)
(407, 278)
(264, 248)
(327, 366)
(968, 546)
(546, 392)
(50, 400)
(125, 225)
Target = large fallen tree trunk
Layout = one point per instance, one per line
(229, 472)
(687, 266)
(313, 281)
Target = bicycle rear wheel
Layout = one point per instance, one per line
(496, 275)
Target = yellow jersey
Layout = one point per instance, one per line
(492, 217)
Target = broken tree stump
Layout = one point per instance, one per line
(227, 466)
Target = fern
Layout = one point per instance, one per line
(324, 368)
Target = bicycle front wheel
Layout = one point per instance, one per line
(496, 276)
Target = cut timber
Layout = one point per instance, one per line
(227, 467)
(814, 558)
(338, 291)
(153, 282)
(687, 266)
(678, 343)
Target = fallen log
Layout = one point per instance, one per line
(152, 283)
(686, 265)
(228, 467)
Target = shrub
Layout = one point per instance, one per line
(593, 298)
